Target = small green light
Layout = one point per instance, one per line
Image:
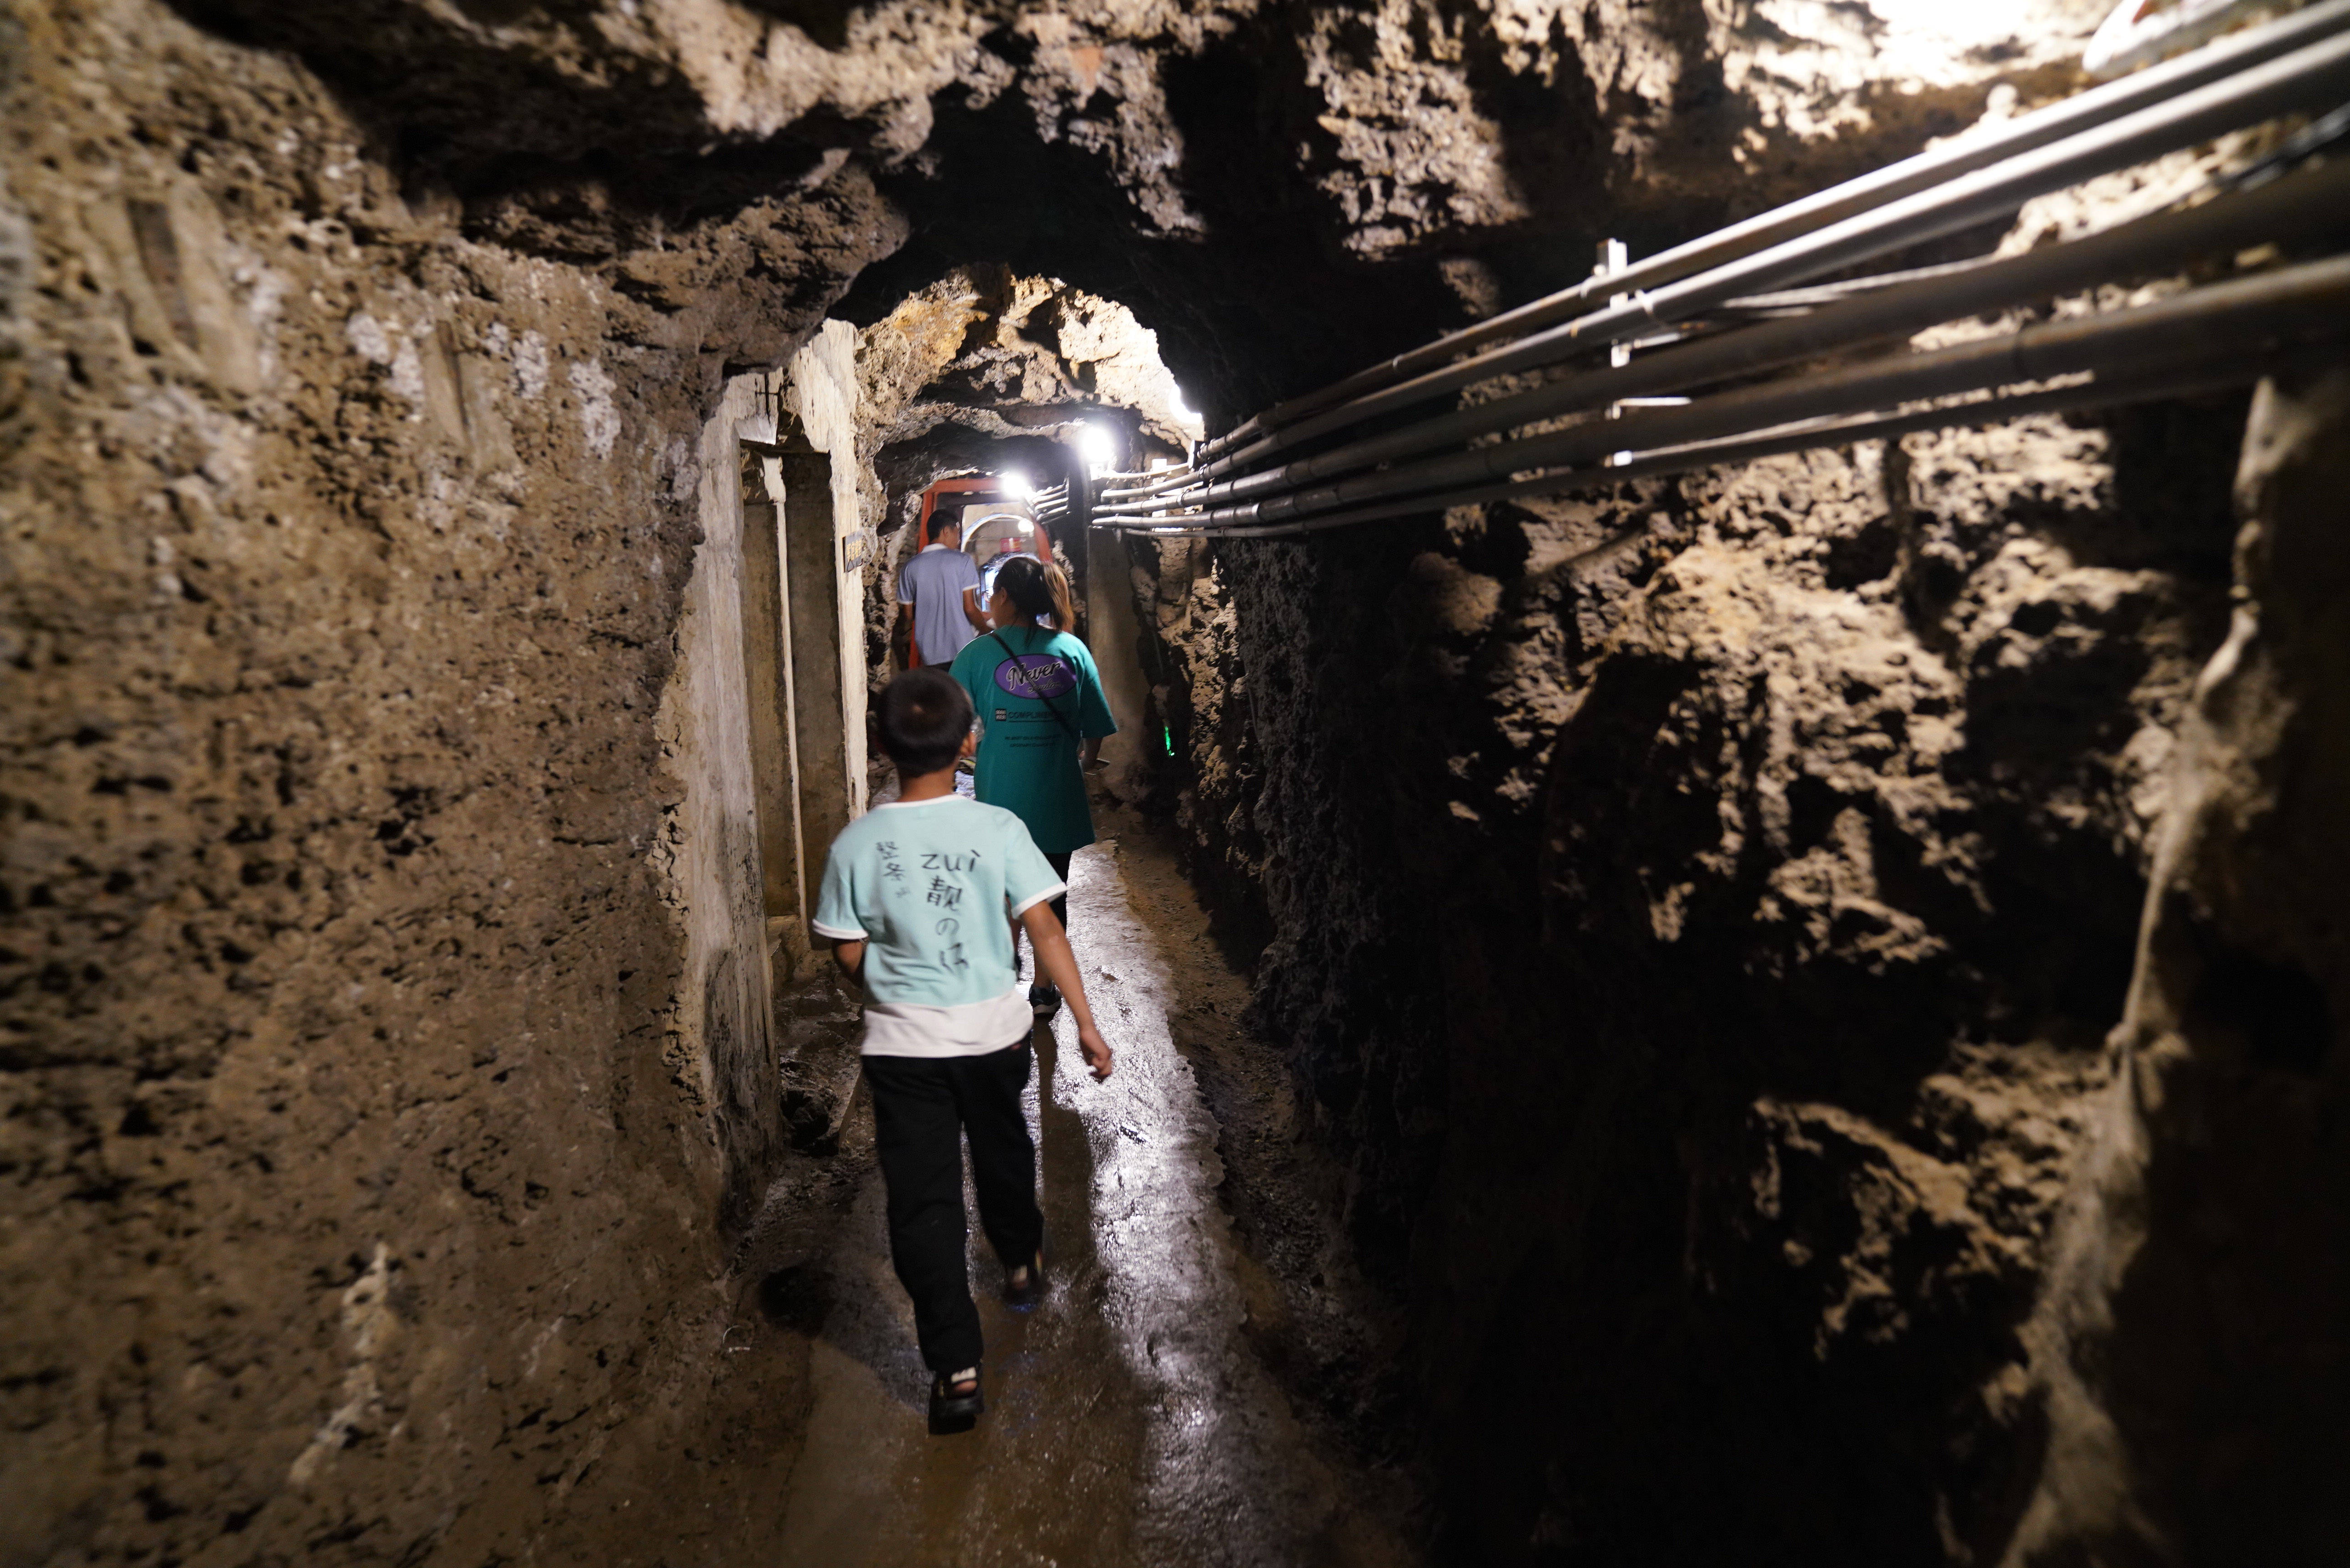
(1167, 739)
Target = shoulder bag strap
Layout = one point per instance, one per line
(1058, 717)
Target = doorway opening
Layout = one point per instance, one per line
(998, 523)
(792, 661)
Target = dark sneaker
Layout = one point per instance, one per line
(955, 1403)
(1025, 1286)
(1043, 1001)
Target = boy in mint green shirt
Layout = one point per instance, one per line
(917, 900)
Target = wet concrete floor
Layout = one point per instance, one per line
(1130, 1420)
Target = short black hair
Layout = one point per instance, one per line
(925, 714)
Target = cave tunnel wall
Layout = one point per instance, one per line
(1696, 913)
(1701, 914)
(386, 1049)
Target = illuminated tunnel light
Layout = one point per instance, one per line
(1097, 444)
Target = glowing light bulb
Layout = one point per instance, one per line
(1098, 447)
(1014, 483)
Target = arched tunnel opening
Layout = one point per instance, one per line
(1716, 880)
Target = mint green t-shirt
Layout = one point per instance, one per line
(1027, 758)
(929, 886)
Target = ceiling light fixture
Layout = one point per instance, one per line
(1097, 444)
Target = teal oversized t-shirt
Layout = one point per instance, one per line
(1027, 757)
(930, 886)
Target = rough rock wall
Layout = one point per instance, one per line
(2188, 1341)
(362, 1170)
(1334, 182)
(1698, 911)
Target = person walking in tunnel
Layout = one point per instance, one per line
(1042, 719)
(939, 592)
(917, 901)
(1008, 548)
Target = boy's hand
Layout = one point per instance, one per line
(1096, 1051)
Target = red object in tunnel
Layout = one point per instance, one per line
(972, 487)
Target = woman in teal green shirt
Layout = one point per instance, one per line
(1041, 721)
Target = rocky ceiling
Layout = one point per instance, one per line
(985, 368)
(1216, 166)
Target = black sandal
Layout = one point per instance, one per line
(1023, 1286)
(951, 1412)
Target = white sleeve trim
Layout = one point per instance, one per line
(820, 929)
(1046, 896)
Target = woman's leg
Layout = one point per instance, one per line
(1060, 908)
(1060, 865)
(917, 1131)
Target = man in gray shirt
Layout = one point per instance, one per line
(938, 590)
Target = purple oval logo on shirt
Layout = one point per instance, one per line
(1045, 675)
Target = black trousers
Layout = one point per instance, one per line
(921, 1104)
(1060, 865)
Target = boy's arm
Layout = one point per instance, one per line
(1058, 964)
(836, 919)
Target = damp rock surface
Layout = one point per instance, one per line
(1687, 923)
(1696, 912)
(363, 1179)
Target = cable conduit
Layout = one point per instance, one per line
(2192, 380)
(2244, 315)
(1836, 204)
(2317, 74)
(2312, 201)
